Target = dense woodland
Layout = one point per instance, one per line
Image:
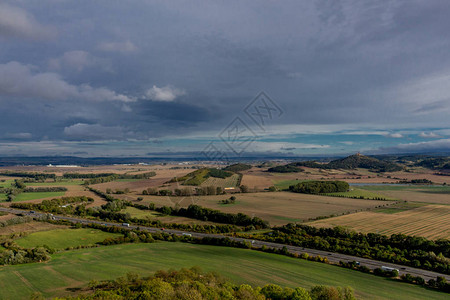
(435, 163)
(237, 167)
(320, 187)
(199, 176)
(112, 177)
(350, 162)
(289, 168)
(36, 176)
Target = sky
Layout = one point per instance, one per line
(172, 78)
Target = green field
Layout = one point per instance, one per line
(74, 269)
(127, 180)
(139, 213)
(284, 184)
(3, 197)
(56, 183)
(6, 183)
(37, 195)
(63, 238)
(419, 188)
(399, 207)
(357, 192)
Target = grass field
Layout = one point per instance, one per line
(139, 213)
(285, 184)
(430, 221)
(399, 207)
(142, 214)
(63, 238)
(37, 195)
(29, 227)
(419, 188)
(55, 183)
(74, 269)
(127, 180)
(358, 192)
(6, 183)
(231, 181)
(3, 197)
(276, 207)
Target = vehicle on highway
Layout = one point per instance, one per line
(187, 234)
(389, 269)
(126, 224)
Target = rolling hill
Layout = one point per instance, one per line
(351, 162)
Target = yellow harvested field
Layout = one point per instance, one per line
(231, 181)
(276, 207)
(430, 221)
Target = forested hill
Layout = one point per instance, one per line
(350, 162)
(365, 162)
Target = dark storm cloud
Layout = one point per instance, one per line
(88, 70)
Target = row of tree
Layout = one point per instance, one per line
(108, 177)
(194, 284)
(65, 205)
(212, 215)
(413, 251)
(34, 175)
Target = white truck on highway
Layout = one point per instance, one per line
(389, 269)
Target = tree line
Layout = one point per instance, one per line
(64, 205)
(319, 187)
(206, 214)
(192, 283)
(401, 249)
(36, 176)
(107, 177)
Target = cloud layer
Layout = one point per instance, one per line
(17, 22)
(349, 75)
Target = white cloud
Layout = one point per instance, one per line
(122, 47)
(18, 80)
(394, 135)
(16, 22)
(282, 146)
(78, 60)
(430, 135)
(166, 93)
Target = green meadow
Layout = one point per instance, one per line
(74, 269)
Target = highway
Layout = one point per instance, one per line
(331, 256)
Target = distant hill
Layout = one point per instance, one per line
(285, 169)
(237, 167)
(364, 162)
(435, 163)
(350, 162)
